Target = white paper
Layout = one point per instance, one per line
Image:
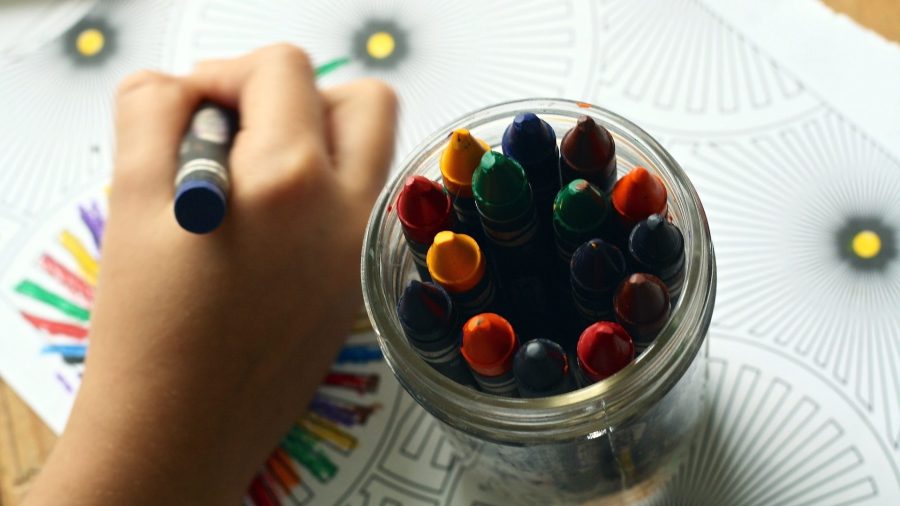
(783, 114)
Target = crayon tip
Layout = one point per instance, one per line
(642, 299)
(423, 208)
(455, 261)
(655, 241)
(540, 364)
(598, 265)
(579, 207)
(638, 195)
(459, 161)
(489, 343)
(604, 349)
(500, 184)
(424, 307)
(199, 206)
(587, 147)
(529, 138)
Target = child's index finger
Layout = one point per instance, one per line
(273, 89)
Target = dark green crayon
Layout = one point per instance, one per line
(519, 251)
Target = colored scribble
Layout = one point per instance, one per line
(56, 300)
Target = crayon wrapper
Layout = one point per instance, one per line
(206, 145)
(504, 385)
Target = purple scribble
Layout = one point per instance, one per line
(94, 220)
(65, 383)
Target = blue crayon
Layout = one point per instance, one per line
(431, 325)
(531, 141)
(656, 246)
(517, 245)
(202, 180)
(542, 369)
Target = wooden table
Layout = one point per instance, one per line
(25, 441)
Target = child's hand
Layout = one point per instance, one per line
(204, 349)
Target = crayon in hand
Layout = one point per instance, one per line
(656, 246)
(489, 345)
(424, 209)
(520, 253)
(202, 180)
(604, 349)
(531, 141)
(642, 307)
(430, 323)
(458, 162)
(541, 367)
(597, 269)
(588, 151)
(456, 263)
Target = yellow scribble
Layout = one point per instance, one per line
(88, 266)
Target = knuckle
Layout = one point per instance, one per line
(380, 92)
(139, 80)
(288, 54)
(154, 89)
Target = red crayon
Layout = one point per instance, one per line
(604, 349)
(636, 196)
(424, 209)
(588, 152)
(489, 346)
(642, 306)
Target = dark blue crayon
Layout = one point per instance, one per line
(518, 248)
(541, 367)
(202, 180)
(531, 141)
(597, 268)
(656, 246)
(432, 327)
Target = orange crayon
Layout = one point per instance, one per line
(458, 162)
(455, 262)
(636, 196)
(489, 345)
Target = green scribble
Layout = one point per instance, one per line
(35, 291)
(330, 66)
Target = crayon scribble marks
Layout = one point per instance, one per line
(65, 306)
(90, 42)
(76, 285)
(804, 219)
(866, 243)
(93, 219)
(87, 264)
(56, 328)
(769, 442)
(330, 66)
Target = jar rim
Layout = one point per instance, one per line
(607, 403)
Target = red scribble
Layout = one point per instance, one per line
(260, 494)
(584, 105)
(69, 279)
(362, 383)
(56, 328)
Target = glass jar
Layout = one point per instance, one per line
(616, 441)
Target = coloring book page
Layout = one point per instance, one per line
(798, 171)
